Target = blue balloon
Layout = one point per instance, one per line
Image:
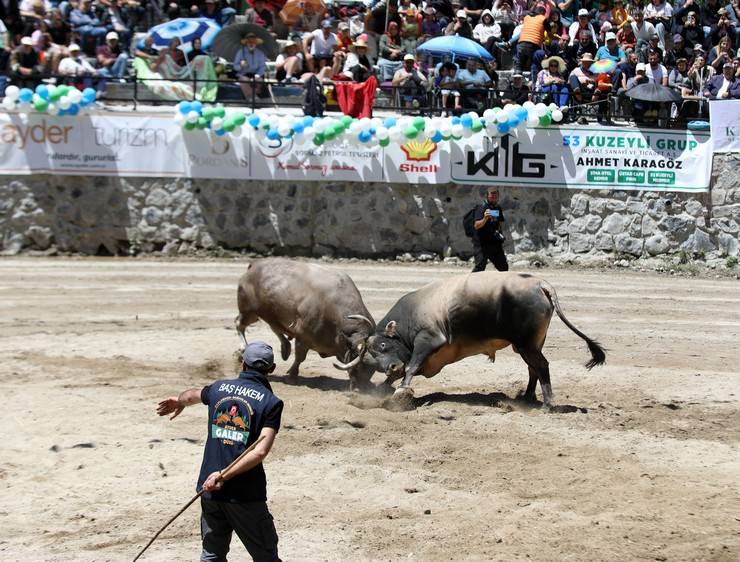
(513, 122)
(365, 136)
(466, 121)
(272, 134)
(220, 132)
(185, 107)
(196, 106)
(43, 91)
(503, 128)
(25, 95)
(74, 109)
(308, 121)
(87, 99)
(389, 122)
(254, 120)
(88, 92)
(437, 137)
(373, 130)
(521, 113)
(63, 112)
(298, 128)
(456, 120)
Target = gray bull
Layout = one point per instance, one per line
(464, 315)
(320, 308)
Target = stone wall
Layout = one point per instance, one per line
(99, 215)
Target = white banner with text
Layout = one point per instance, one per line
(724, 122)
(153, 145)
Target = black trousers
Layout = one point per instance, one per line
(489, 252)
(252, 523)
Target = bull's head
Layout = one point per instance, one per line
(362, 366)
(388, 353)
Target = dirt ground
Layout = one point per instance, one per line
(646, 466)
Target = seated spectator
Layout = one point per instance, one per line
(653, 46)
(25, 65)
(112, 60)
(390, 52)
(584, 45)
(643, 31)
(344, 39)
(357, 66)
(148, 52)
(260, 15)
(626, 36)
(410, 26)
(724, 28)
(289, 65)
(659, 13)
(639, 107)
(583, 84)
(611, 50)
(49, 52)
(411, 83)
(700, 73)
(518, 91)
(625, 71)
(429, 25)
(582, 24)
(551, 84)
(250, 65)
(602, 16)
(86, 24)
(720, 54)
(691, 31)
(679, 77)
(319, 47)
(474, 83)
(408, 41)
(677, 51)
(446, 83)
(59, 28)
(76, 64)
(33, 11)
(656, 72)
(504, 16)
(487, 32)
(212, 11)
(569, 11)
(460, 26)
(619, 16)
(723, 86)
(196, 51)
(555, 30)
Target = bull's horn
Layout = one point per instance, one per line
(361, 317)
(350, 365)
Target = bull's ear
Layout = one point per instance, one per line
(390, 329)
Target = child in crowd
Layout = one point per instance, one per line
(446, 81)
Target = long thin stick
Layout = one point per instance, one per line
(187, 505)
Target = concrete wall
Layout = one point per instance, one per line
(95, 215)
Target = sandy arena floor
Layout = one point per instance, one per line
(646, 468)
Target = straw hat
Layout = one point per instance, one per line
(561, 63)
(587, 57)
(359, 43)
(289, 44)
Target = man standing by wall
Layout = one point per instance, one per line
(488, 242)
(239, 412)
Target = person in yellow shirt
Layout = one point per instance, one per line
(532, 34)
(619, 14)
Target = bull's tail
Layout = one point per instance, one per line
(598, 355)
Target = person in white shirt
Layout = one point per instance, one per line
(581, 24)
(319, 47)
(659, 13)
(643, 31)
(656, 72)
(75, 65)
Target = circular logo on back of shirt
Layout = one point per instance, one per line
(231, 421)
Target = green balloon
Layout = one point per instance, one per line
(329, 134)
(446, 137)
(318, 140)
(228, 127)
(56, 94)
(202, 122)
(320, 136)
(239, 119)
(190, 126)
(209, 113)
(384, 142)
(476, 126)
(410, 132)
(456, 137)
(40, 104)
(346, 120)
(63, 90)
(419, 123)
(545, 120)
(220, 112)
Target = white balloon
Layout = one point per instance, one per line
(12, 92)
(528, 105)
(553, 106)
(365, 122)
(309, 132)
(457, 130)
(283, 130)
(382, 133)
(473, 115)
(52, 109)
(273, 120)
(540, 110)
(376, 123)
(8, 103)
(395, 133)
(502, 117)
(467, 133)
(446, 129)
(429, 132)
(533, 120)
(179, 118)
(65, 102)
(355, 127)
(237, 132)
(217, 123)
(75, 96)
(489, 114)
(557, 116)
(192, 117)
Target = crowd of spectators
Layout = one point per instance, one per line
(549, 45)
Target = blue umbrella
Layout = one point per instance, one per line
(454, 45)
(184, 29)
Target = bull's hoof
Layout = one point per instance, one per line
(285, 349)
(401, 401)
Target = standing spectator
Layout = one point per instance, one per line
(319, 47)
(656, 72)
(86, 23)
(723, 86)
(245, 407)
(531, 35)
(25, 65)
(578, 27)
(551, 83)
(260, 15)
(250, 64)
(411, 83)
(390, 52)
(643, 31)
(212, 11)
(117, 20)
(289, 63)
(659, 13)
(700, 73)
(112, 60)
(488, 241)
(619, 16)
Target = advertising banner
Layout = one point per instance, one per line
(724, 122)
(153, 145)
(589, 158)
